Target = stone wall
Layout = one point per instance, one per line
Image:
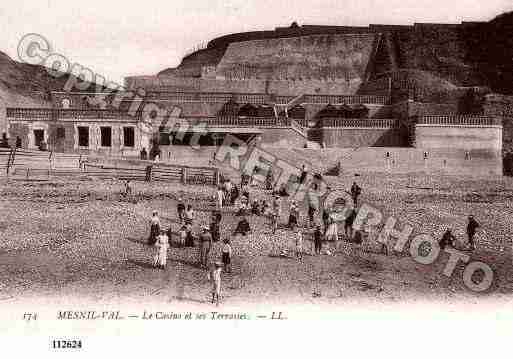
(473, 163)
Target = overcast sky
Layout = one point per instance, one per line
(120, 38)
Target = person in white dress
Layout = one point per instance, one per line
(332, 232)
(162, 245)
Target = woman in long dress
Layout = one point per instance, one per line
(332, 233)
(154, 228)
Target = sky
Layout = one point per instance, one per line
(124, 38)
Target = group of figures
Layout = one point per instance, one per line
(319, 227)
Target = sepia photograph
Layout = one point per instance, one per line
(274, 166)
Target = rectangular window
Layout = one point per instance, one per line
(106, 136)
(164, 139)
(83, 136)
(128, 137)
(39, 136)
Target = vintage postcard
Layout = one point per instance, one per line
(223, 177)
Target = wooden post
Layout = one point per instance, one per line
(184, 175)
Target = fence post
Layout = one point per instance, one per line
(184, 175)
(216, 177)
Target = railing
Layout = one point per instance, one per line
(250, 121)
(360, 123)
(347, 99)
(39, 113)
(79, 114)
(37, 163)
(459, 120)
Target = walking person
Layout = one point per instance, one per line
(227, 256)
(205, 245)
(471, 231)
(162, 245)
(214, 276)
(355, 193)
(154, 228)
(311, 214)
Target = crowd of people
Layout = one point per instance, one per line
(319, 226)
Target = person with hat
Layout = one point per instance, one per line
(214, 276)
(471, 231)
(205, 244)
(154, 228)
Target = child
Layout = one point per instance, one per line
(162, 245)
(227, 256)
(214, 276)
(299, 245)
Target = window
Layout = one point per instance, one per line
(128, 137)
(83, 136)
(39, 136)
(66, 103)
(165, 139)
(106, 136)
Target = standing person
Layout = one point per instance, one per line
(355, 193)
(447, 239)
(189, 215)
(128, 188)
(234, 194)
(325, 217)
(154, 228)
(182, 236)
(214, 228)
(214, 276)
(227, 256)
(220, 197)
(317, 239)
(162, 245)
(205, 244)
(311, 214)
(348, 223)
(332, 232)
(299, 245)
(180, 209)
(293, 216)
(304, 173)
(471, 231)
(189, 238)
